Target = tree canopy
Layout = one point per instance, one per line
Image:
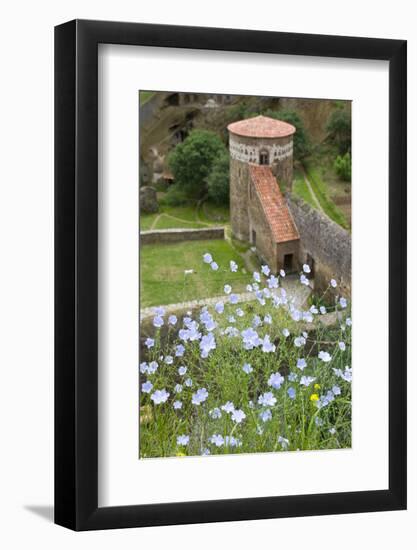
(218, 179)
(192, 160)
(302, 145)
(339, 128)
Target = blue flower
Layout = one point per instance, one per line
(256, 277)
(332, 431)
(325, 356)
(143, 367)
(178, 388)
(169, 359)
(231, 441)
(301, 363)
(292, 377)
(306, 380)
(322, 310)
(349, 321)
(227, 289)
(304, 280)
(234, 298)
(247, 368)
(228, 407)
(149, 342)
(249, 288)
(207, 344)
(306, 268)
(265, 270)
(238, 416)
(182, 371)
(267, 345)
(215, 413)
(240, 312)
(147, 386)
(153, 367)
(160, 396)
(268, 319)
(233, 266)
(177, 405)
(172, 320)
(158, 322)
(217, 440)
(265, 415)
(299, 341)
(214, 266)
(183, 440)
(342, 346)
(188, 382)
(207, 258)
(179, 350)
(343, 303)
(336, 390)
(159, 311)
(333, 283)
(285, 332)
(275, 380)
(282, 272)
(267, 399)
(250, 338)
(231, 319)
(291, 393)
(307, 316)
(314, 310)
(256, 321)
(219, 307)
(199, 397)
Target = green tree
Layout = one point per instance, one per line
(218, 180)
(343, 167)
(339, 129)
(302, 145)
(192, 160)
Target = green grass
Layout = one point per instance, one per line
(146, 221)
(166, 222)
(301, 189)
(145, 96)
(162, 278)
(213, 213)
(319, 188)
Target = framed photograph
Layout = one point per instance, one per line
(230, 254)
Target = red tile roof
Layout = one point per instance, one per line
(273, 203)
(261, 127)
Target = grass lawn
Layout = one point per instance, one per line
(166, 222)
(146, 221)
(301, 189)
(172, 217)
(162, 278)
(320, 190)
(145, 96)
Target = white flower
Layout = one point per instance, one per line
(322, 310)
(304, 280)
(233, 266)
(247, 368)
(267, 399)
(217, 440)
(177, 405)
(160, 396)
(342, 346)
(227, 289)
(333, 283)
(228, 407)
(306, 380)
(299, 341)
(182, 371)
(301, 363)
(285, 332)
(275, 380)
(343, 303)
(284, 442)
(265, 270)
(256, 277)
(282, 272)
(306, 268)
(188, 271)
(325, 356)
(214, 266)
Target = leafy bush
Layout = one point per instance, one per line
(343, 167)
(192, 160)
(218, 180)
(339, 129)
(175, 196)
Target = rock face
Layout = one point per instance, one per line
(147, 199)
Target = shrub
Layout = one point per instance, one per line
(218, 180)
(175, 196)
(339, 129)
(343, 167)
(192, 160)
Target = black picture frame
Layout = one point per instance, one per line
(76, 272)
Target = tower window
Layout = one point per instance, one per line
(263, 157)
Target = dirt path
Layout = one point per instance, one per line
(310, 188)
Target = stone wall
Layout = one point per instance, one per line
(326, 242)
(180, 235)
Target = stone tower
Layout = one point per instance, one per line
(259, 140)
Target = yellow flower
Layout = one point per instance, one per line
(317, 386)
(314, 397)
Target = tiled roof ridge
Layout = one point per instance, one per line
(261, 127)
(273, 203)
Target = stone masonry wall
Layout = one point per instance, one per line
(327, 243)
(180, 235)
